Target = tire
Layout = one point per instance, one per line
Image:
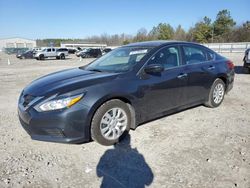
(62, 56)
(57, 57)
(41, 57)
(216, 94)
(104, 122)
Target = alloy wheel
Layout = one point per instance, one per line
(113, 123)
(218, 93)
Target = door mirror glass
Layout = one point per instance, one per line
(154, 68)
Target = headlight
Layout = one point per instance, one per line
(60, 103)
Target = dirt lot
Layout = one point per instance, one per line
(199, 147)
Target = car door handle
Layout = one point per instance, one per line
(211, 67)
(182, 75)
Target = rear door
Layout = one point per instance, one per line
(201, 70)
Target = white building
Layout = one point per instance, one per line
(17, 43)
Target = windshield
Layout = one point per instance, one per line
(119, 60)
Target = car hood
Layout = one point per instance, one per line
(66, 81)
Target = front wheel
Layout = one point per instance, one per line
(41, 57)
(111, 122)
(216, 94)
(62, 56)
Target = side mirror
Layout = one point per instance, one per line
(154, 68)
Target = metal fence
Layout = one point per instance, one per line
(229, 47)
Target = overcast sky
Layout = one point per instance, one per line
(81, 18)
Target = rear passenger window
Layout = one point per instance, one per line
(194, 55)
(168, 57)
(210, 56)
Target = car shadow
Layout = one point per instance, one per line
(239, 70)
(124, 166)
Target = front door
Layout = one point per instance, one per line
(166, 90)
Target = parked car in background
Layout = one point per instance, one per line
(38, 49)
(25, 55)
(58, 53)
(78, 53)
(106, 50)
(74, 50)
(91, 52)
(130, 85)
(246, 60)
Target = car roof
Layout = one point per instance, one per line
(156, 43)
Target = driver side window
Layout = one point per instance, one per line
(168, 57)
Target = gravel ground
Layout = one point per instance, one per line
(198, 147)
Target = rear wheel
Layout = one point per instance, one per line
(111, 122)
(216, 94)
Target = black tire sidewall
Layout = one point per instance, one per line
(41, 57)
(62, 56)
(96, 120)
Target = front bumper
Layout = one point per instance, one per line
(65, 126)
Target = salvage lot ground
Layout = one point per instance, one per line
(199, 147)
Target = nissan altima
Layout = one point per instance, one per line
(126, 87)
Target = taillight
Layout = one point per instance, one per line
(230, 65)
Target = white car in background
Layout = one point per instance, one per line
(58, 53)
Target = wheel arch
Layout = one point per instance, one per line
(224, 79)
(124, 99)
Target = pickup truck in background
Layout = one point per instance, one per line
(58, 53)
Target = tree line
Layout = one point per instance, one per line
(222, 29)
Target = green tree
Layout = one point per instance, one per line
(202, 32)
(162, 32)
(141, 35)
(223, 26)
(241, 33)
(180, 34)
(126, 42)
